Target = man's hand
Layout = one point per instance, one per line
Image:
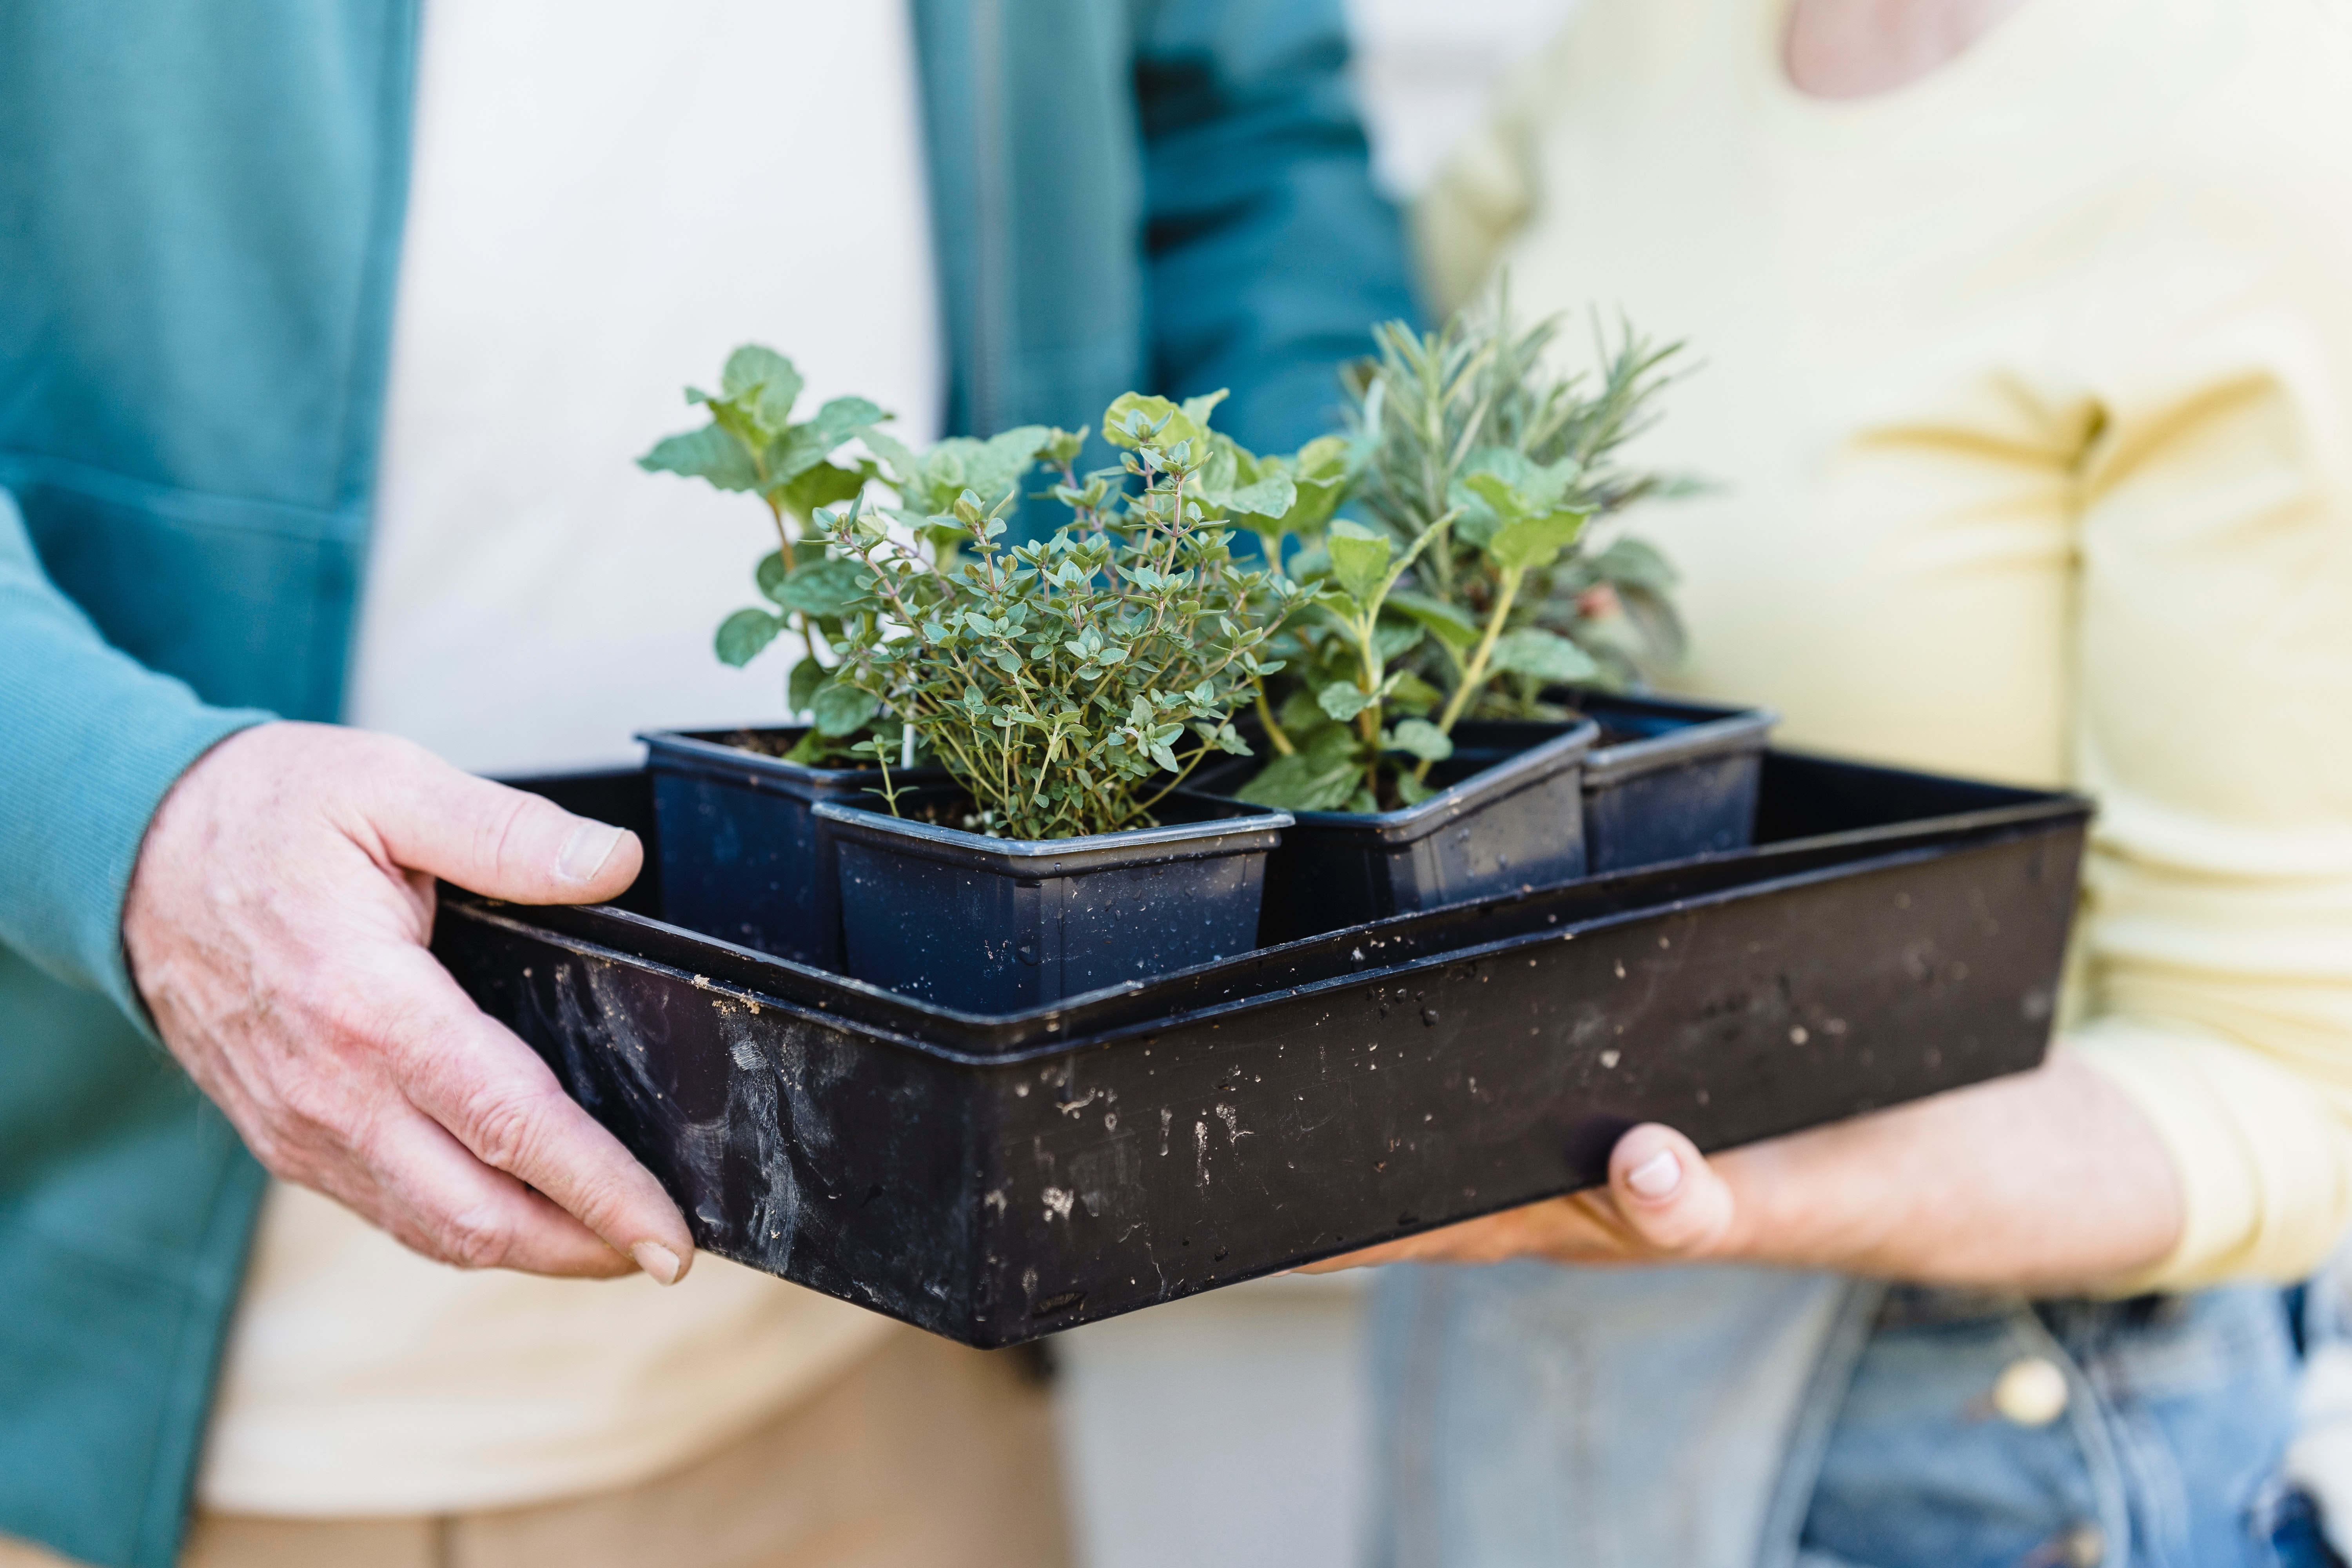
(277, 927)
(2046, 1181)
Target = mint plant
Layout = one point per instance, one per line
(753, 444)
(1467, 594)
(1070, 684)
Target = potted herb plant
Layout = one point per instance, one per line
(742, 858)
(1068, 688)
(1421, 736)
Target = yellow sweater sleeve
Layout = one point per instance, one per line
(2214, 727)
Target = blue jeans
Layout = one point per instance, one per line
(2164, 1458)
(1542, 1417)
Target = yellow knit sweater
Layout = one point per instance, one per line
(2030, 389)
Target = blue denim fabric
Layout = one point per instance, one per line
(1732, 1418)
(2165, 1457)
(1541, 1418)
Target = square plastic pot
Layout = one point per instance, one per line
(742, 858)
(995, 925)
(1668, 779)
(1511, 816)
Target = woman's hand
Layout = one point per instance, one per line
(2048, 1182)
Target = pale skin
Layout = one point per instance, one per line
(2046, 1183)
(277, 927)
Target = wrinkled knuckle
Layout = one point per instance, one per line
(506, 832)
(602, 1203)
(506, 1126)
(474, 1238)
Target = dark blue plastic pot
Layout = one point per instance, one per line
(1511, 816)
(995, 925)
(1668, 779)
(742, 858)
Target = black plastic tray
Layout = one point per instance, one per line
(993, 1179)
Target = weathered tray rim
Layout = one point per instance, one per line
(487, 913)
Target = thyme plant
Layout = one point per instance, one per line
(1068, 685)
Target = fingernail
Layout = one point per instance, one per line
(585, 853)
(657, 1260)
(1656, 1176)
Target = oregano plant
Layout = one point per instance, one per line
(1070, 684)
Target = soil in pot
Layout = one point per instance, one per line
(996, 925)
(1509, 815)
(742, 858)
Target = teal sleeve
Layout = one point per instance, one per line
(90, 741)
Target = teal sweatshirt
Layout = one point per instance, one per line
(200, 222)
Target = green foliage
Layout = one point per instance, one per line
(752, 443)
(1446, 420)
(1068, 685)
(1477, 472)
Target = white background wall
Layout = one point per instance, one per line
(1232, 1429)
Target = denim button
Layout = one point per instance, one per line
(2030, 1391)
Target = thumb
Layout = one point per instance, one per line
(499, 842)
(1667, 1194)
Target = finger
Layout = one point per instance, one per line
(1665, 1195)
(498, 1098)
(502, 843)
(441, 1201)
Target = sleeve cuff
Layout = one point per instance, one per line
(2263, 1158)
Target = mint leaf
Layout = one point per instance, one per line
(742, 635)
(825, 588)
(843, 417)
(770, 573)
(771, 374)
(826, 484)
(836, 709)
(709, 453)
(806, 675)
(795, 452)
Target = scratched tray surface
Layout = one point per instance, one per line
(997, 1178)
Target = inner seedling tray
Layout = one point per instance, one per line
(997, 1178)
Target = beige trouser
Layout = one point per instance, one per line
(923, 1454)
